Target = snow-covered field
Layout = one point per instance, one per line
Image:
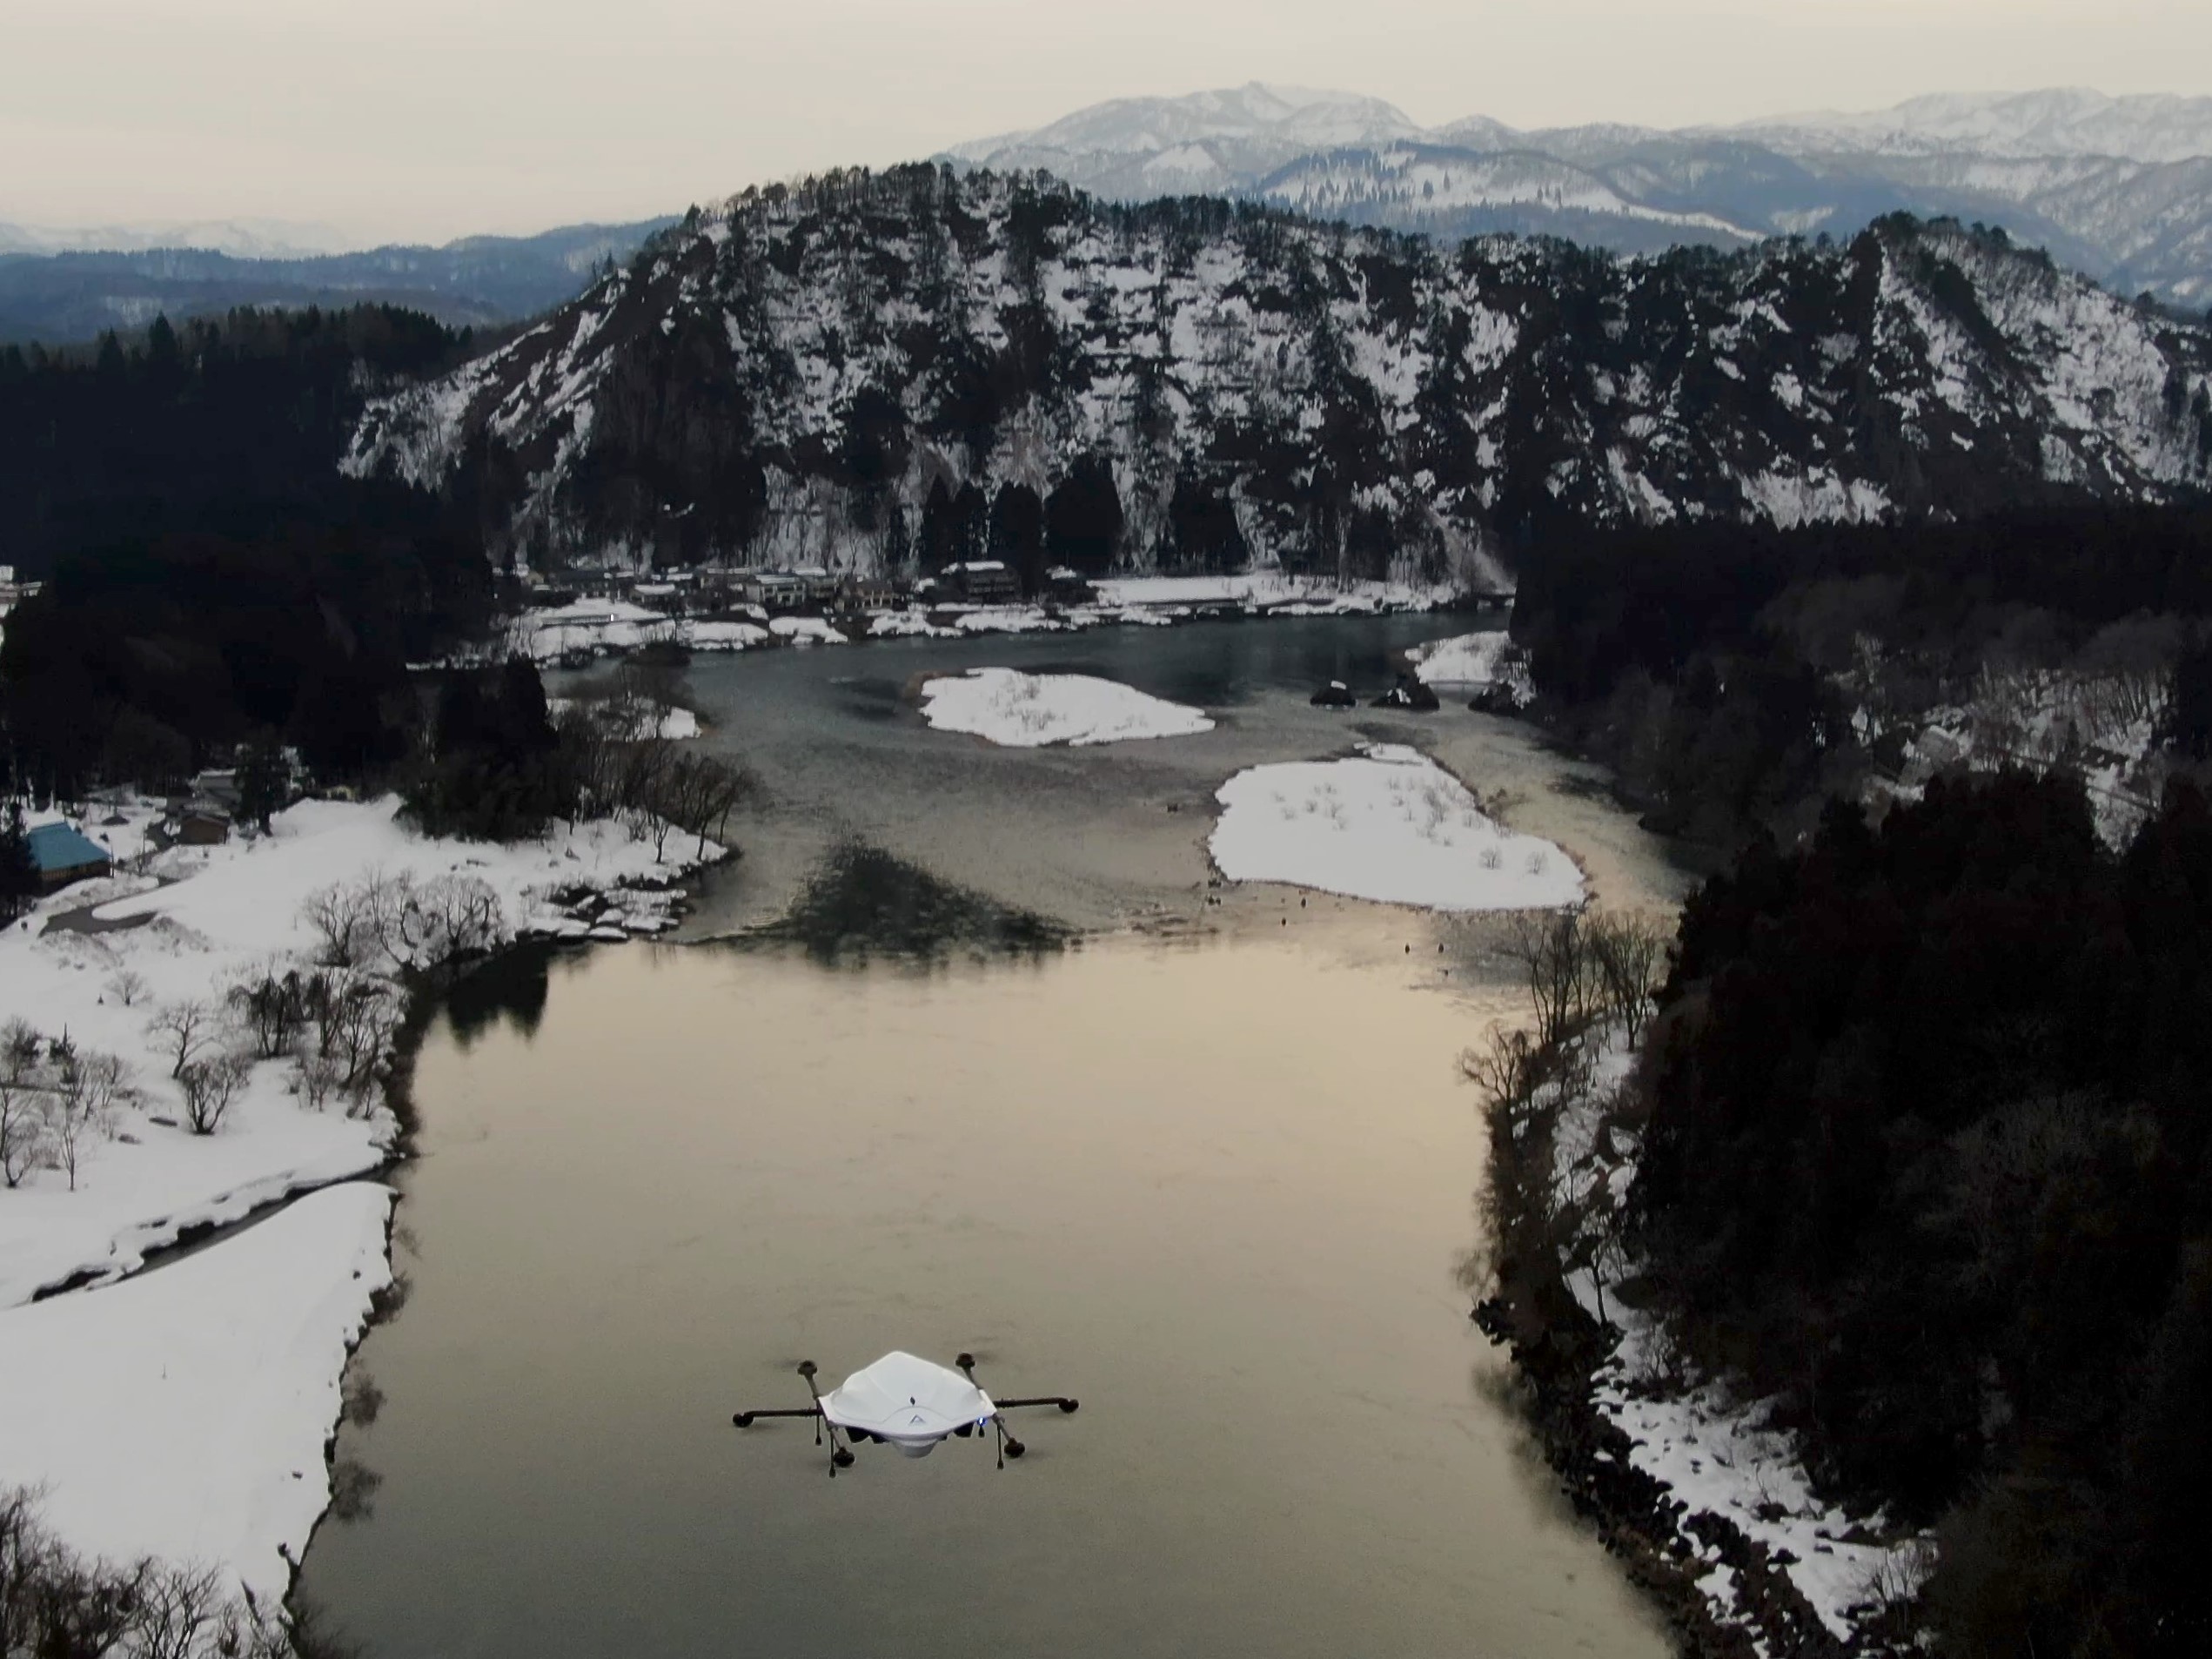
(183, 1413)
(1390, 825)
(190, 926)
(100, 1182)
(1030, 710)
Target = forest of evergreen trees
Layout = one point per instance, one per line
(1702, 661)
(209, 577)
(1928, 1161)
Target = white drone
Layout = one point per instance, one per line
(906, 1402)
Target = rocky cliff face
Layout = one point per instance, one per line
(879, 370)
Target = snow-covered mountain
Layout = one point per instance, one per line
(1205, 144)
(2115, 187)
(886, 370)
(2057, 121)
(249, 239)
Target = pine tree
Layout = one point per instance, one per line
(18, 875)
(264, 781)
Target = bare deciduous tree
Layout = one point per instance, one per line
(128, 988)
(23, 1123)
(80, 1108)
(177, 1612)
(271, 1004)
(363, 1015)
(446, 919)
(56, 1605)
(1504, 1068)
(1556, 960)
(185, 1031)
(342, 917)
(1629, 949)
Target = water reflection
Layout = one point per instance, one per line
(511, 988)
(861, 902)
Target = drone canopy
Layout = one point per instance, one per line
(907, 1401)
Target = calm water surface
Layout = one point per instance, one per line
(1213, 1172)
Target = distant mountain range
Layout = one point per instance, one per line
(2118, 188)
(246, 238)
(58, 295)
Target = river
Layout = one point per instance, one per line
(1208, 1166)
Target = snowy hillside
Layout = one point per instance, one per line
(2055, 121)
(1207, 143)
(2115, 187)
(899, 370)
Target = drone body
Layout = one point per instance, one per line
(907, 1402)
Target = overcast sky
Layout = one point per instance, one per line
(425, 119)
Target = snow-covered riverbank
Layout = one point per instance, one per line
(258, 985)
(601, 626)
(1708, 1484)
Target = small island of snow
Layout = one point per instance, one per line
(1389, 824)
(1030, 710)
(1489, 660)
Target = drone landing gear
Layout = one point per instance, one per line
(841, 1454)
(1008, 1445)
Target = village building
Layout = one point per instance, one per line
(870, 593)
(203, 823)
(61, 854)
(979, 581)
(773, 591)
(1064, 585)
(218, 786)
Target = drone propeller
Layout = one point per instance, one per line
(841, 1457)
(1008, 1445)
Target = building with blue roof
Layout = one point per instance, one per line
(62, 855)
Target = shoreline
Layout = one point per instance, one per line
(586, 633)
(1723, 1592)
(156, 1197)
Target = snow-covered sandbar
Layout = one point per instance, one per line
(1030, 710)
(1389, 824)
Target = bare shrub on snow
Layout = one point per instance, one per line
(23, 1121)
(209, 1087)
(58, 1605)
(128, 988)
(320, 1076)
(270, 1004)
